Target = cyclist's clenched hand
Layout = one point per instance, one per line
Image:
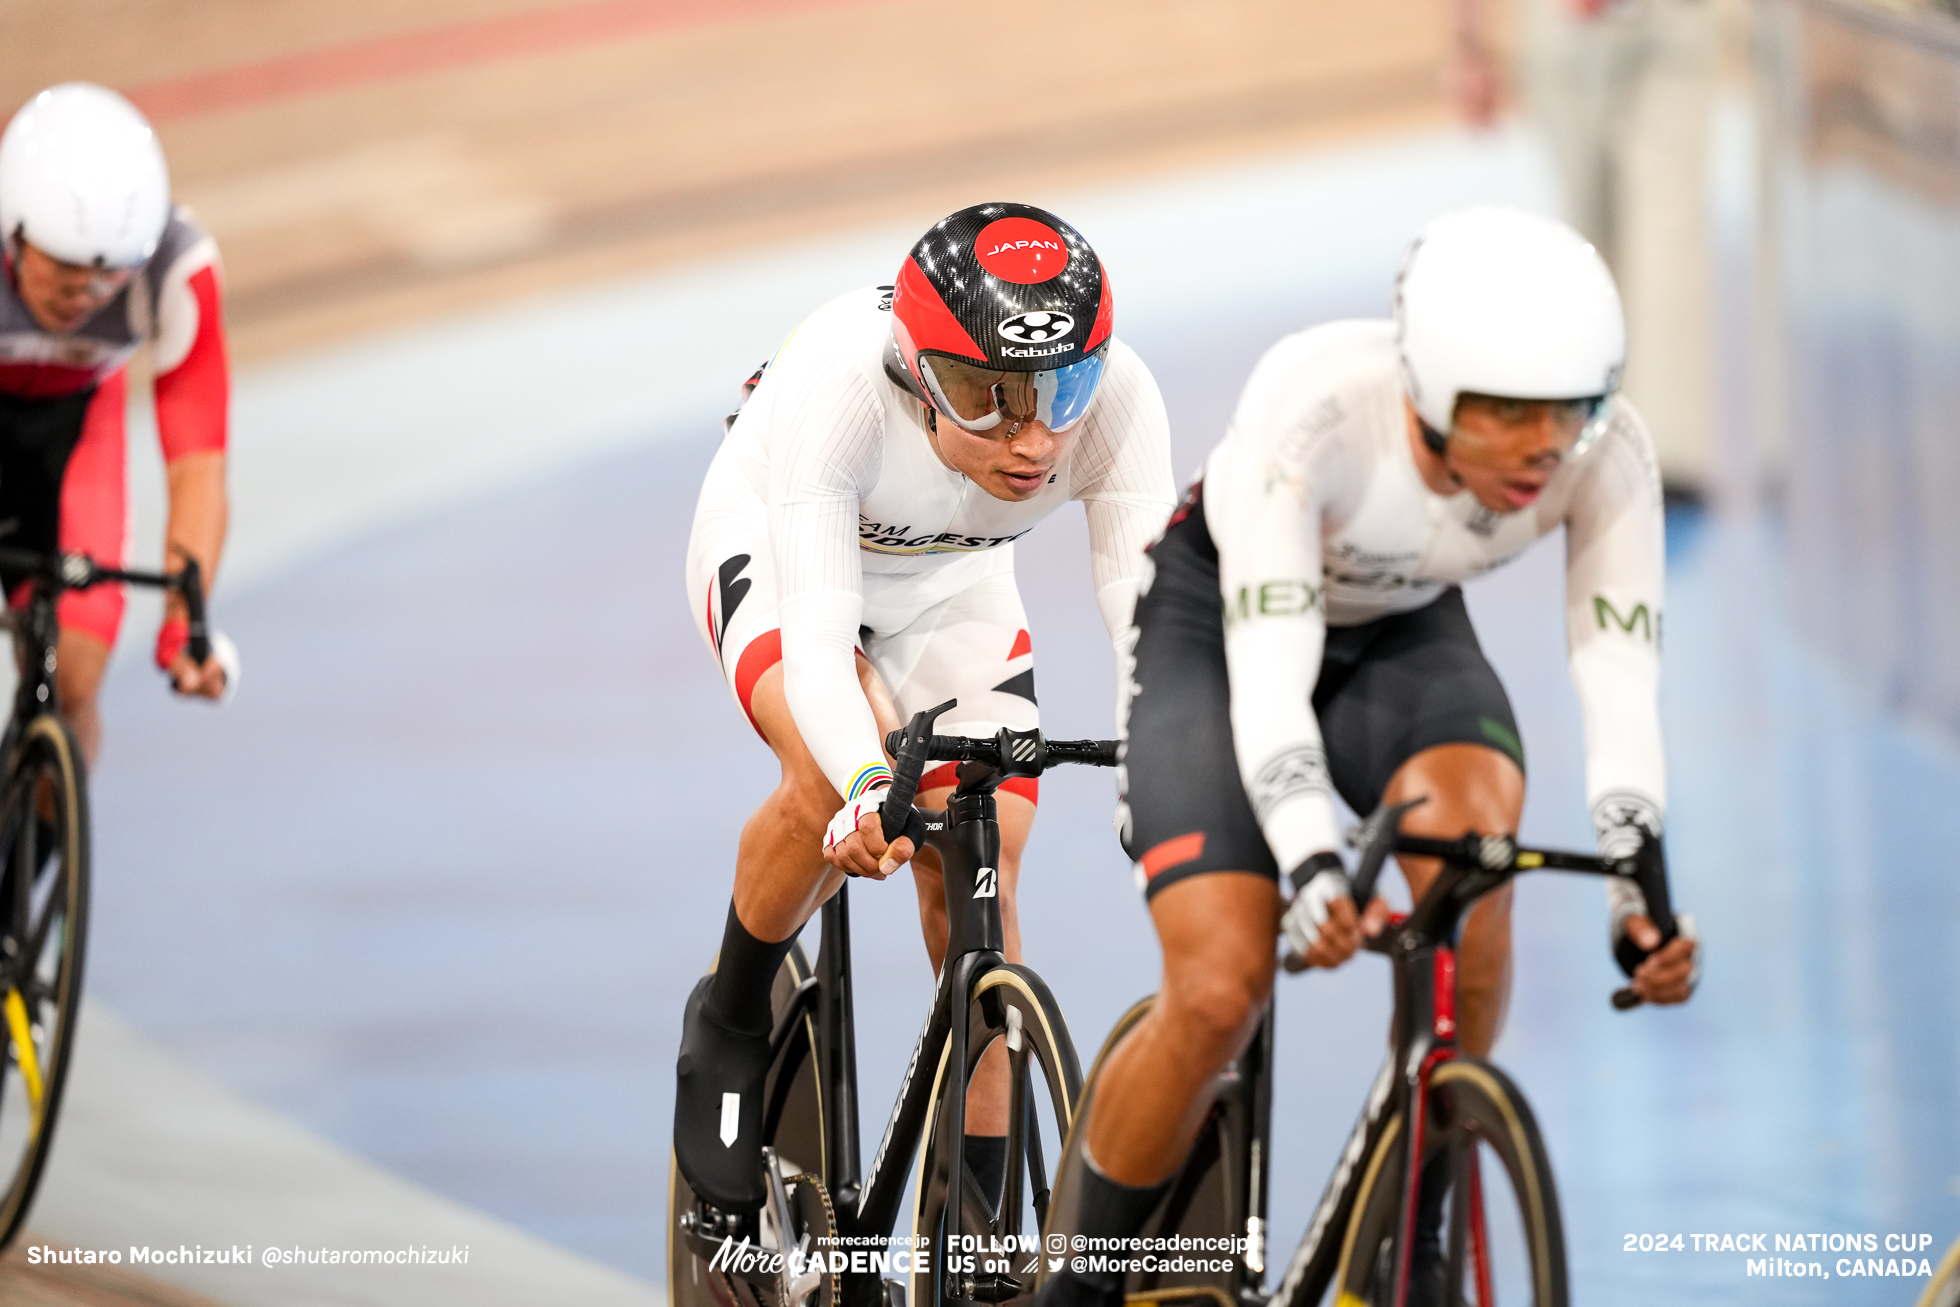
(1668, 975)
(1341, 934)
(855, 843)
(204, 680)
(214, 678)
(864, 852)
(1336, 940)
(1321, 925)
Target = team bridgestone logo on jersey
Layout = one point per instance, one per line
(1021, 250)
(1036, 328)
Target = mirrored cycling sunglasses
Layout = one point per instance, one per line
(1586, 418)
(1596, 413)
(106, 283)
(978, 398)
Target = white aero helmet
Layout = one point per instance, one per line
(82, 178)
(1502, 302)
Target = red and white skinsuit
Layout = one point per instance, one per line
(70, 392)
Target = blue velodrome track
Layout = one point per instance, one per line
(435, 886)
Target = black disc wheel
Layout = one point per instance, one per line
(1213, 1199)
(1016, 1036)
(1487, 1230)
(44, 905)
(793, 1128)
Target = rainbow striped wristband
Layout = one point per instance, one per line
(868, 778)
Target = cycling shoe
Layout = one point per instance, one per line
(718, 1108)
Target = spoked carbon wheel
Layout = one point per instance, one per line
(44, 888)
(793, 1127)
(996, 1258)
(1497, 1237)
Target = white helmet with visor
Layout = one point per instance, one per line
(82, 178)
(1504, 303)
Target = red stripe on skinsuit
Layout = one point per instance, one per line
(1174, 852)
(946, 775)
(94, 509)
(194, 398)
(762, 653)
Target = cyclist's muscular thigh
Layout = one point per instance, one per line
(1468, 787)
(80, 660)
(1217, 932)
(781, 878)
(972, 647)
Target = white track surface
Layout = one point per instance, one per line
(152, 1154)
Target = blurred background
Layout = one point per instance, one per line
(394, 947)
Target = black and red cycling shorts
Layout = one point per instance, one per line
(64, 486)
(1388, 689)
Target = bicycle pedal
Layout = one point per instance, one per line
(709, 1226)
(990, 1288)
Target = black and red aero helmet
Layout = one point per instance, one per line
(1002, 311)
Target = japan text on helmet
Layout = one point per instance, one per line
(1002, 312)
(82, 178)
(1501, 302)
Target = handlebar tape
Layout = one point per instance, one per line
(1376, 840)
(1650, 875)
(1089, 753)
(190, 584)
(909, 764)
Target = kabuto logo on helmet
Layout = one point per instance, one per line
(1036, 328)
(1001, 287)
(1021, 250)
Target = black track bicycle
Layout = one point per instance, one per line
(964, 1244)
(1474, 1135)
(44, 879)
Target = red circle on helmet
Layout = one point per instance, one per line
(1021, 250)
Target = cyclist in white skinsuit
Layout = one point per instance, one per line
(830, 478)
(852, 562)
(1301, 634)
(1324, 412)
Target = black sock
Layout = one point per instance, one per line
(739, 998)
(1111, 1210)
(986, 1162)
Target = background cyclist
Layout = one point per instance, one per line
(852, 562)
(97, 262)
(1371, 466)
